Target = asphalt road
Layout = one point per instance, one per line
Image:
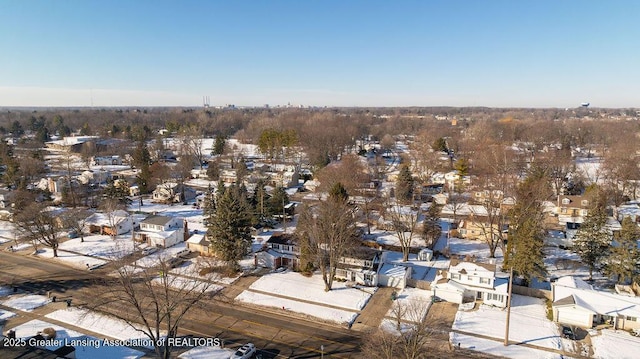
(276, 336)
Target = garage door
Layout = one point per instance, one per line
(572, 316)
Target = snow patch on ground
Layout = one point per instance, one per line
(296, 286)
(612, 344)
(528, 323)
(98, 323)
(496, 347)
(318, 311)
(29, 329)
(26, 302)
(207, 353)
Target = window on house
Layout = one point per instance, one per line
(455, 276)
(566, 201)
(632, 319)
(585, 202)
(563, 210)
(484, 280)
(494, 296)
(584, 212)
(368, 277)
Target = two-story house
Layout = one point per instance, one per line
(467, 281)
(162, 231)
(360, 266)
(572, 210)
(280, 250)
(172, 192)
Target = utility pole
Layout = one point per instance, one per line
(506, 334)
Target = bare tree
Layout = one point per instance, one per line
(38, 223)
(75, 219)
(404, 221)
(112, 207)
(327, 233)
(408, 339)
(153, 302)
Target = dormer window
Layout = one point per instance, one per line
(566, 201)
(584, 202)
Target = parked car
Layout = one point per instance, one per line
(244, 352)
(149, 250)
(568, 333)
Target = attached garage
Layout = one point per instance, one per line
(394, 275)
(569, 311)
(449, 291)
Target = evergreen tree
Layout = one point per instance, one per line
(526, 233)
(118, 191)
(593, 238)
(404, 184)
(228, 228)
(625, 256)
(218, 145)
(277, 201)
(142, 160)
(338, 192)
(440, 145)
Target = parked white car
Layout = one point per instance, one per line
(244, 352)
(149, 250)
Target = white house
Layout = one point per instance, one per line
(113, 224)
(162, 231)
(576, 303)
(394, 275)
(469, 281)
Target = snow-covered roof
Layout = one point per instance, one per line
(596, 301)
(196, 239)
(393, 270)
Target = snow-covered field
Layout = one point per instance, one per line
(318, 311)
(296, 286)
(192, 267)
(26, 302)
(97, 323)
(612, 344)
(7, 231)
(207, 353)
(496, 347)
(101, 246)
(528, 323)
(96, 351)
(4, 315)
(76, 260)
(188, 284)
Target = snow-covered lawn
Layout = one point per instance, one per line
(296, 286)
(4, 315)
(188, 284)
(153, 259)
(78, 261)
(98, 323)
(318, 311)
(528, 323)
(96, 351)
(612, 344)
(7, 231)
(206, 353)
(26, 302)
(496, 347)
(101, 246)
(411, 303)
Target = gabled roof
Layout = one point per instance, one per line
(281, 238)
(468, 266)
(157, 220)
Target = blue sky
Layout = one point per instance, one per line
(322, 53)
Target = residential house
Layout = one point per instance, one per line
(572, 210)
(577, 303)
(199, 243)
(72, 143)
(280, 250)
(162, 231)
(113, 224)
(394, 275)
(631, 210)
(106, 160)
(360, 266)
(466, 281)
(172, 192)
(6, 202)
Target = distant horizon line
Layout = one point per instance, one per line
(231, 106)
